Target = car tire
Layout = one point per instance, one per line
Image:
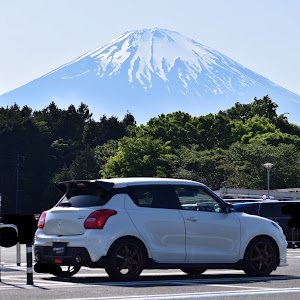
(261, 257)
(125, 260)
(194, 271)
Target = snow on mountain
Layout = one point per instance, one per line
(149, 72)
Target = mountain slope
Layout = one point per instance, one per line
(150, 72)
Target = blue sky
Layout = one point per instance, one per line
(37, 36)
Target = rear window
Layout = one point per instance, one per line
(85, 198)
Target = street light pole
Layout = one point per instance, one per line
(268, 166)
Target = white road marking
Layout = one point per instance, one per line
(192, 295)
(15, 282)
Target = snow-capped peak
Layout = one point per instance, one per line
(154, 52)
(153, 71)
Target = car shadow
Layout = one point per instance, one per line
(172, 280)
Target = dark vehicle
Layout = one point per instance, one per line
(280, 212)
(243, 200)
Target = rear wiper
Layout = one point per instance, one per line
(66, 203)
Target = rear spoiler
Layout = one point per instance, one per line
(66, 186)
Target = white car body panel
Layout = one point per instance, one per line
(163, 231)
(252, 226)
(96, 241)
(212, 237)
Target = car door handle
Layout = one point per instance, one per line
(192, 219)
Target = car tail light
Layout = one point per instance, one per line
(98, 218)
(42, 219)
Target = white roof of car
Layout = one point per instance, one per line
(108, 184)
(123, 182)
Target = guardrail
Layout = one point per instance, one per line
(249, 193)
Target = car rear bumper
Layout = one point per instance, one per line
(73, 256)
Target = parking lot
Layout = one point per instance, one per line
(153, 284)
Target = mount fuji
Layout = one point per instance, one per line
(149, 72)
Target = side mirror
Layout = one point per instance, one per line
(229, 208)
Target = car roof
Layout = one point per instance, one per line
(123, 182)
(108, 184)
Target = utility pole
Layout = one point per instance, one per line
(19, 169)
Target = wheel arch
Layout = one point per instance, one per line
(267, 237)
(142, 244)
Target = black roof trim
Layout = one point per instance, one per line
(65, 186)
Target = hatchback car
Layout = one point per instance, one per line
(126, 225)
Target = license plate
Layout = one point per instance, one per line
(59, 249)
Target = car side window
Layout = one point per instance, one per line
(195, 198)
(279, 210)
(154, 197)
(267, 210)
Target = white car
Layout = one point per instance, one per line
(126, 225)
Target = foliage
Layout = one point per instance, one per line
(244, 163)
(205, 166)
(98, 133)
(264, 107)
(180, 129)
(140, 157)
(244, 131)
(65, 144)
(52, 143)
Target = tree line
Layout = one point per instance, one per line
(65, 144)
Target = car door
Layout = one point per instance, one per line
(212, 236)
(154, 212)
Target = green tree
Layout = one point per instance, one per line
(264, 107)
(180, 129)
(244, 164)
(205, 166)
(98, 133)
(244, 131)
(140, 156)
(105, 152)
(177, 128)
(276, 138)
(21, 135)
(65, 124)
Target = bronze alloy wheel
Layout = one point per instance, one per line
(126, 260)
(261, 257)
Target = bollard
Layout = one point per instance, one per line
(0, 264)
(18, 247)
(8, 238)
(29, 264)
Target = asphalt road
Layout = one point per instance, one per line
(92, 284)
